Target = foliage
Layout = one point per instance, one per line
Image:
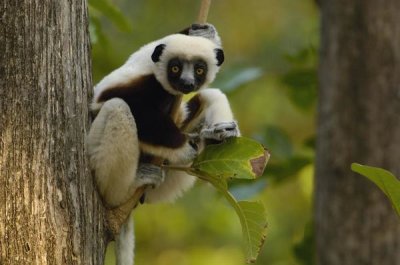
(236, 158)
(111, 12)
(304, 250)
(301, 79)
(286, 162)
(233, 79)
(385, 180)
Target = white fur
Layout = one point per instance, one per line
(114, 151)
(216, 108)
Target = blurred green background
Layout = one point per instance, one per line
(270, 77)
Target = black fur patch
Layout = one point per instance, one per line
(185, 31)
(151, 106)
(157, 52)
(219, 53)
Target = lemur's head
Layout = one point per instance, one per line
(185, 64)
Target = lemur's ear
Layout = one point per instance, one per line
(219, 54)
(157, 52)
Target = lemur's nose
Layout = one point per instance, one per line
(188, 86)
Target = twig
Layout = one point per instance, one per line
(203, 13)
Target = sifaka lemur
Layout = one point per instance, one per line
(132, 122)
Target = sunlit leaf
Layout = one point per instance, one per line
(254, 227)
(385, 180)
(237, 157)
(112, 12)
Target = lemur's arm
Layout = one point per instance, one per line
(210, 116)
(162, 138)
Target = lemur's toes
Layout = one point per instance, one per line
(149, 174)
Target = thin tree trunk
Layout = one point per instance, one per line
(359, 121)
(50, 212)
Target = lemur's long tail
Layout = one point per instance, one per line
(124, 243)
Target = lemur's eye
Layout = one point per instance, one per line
(199, 71)
(175, 69)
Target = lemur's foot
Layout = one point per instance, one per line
(207, 31)
(220, 131)
(149, 174)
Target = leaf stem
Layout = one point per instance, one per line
(180, 168)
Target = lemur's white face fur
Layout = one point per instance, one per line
(183, 64)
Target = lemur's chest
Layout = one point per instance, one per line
(150, 99)
(145, 96)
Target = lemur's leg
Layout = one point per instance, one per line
(113, 149)
(174, 185)
(211, 115)
(175, 182)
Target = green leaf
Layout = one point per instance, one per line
(252, 216)
(112, 13)
(253, 219)
(242, 158)
(385, 180)
(237, 157)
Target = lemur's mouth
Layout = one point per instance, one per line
(185, 88)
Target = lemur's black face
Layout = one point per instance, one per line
(186, 76)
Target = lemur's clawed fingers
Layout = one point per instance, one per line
(194, 139)
(220, 131)
(207, 31)
(196, 26)
(149, 174)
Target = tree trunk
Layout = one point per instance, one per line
(50, 212)
(359, 121)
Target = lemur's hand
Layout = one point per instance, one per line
(207, 31)
(220, 131)
(149, 174)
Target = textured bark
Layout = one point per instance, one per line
(359, 121)
(50, 212)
